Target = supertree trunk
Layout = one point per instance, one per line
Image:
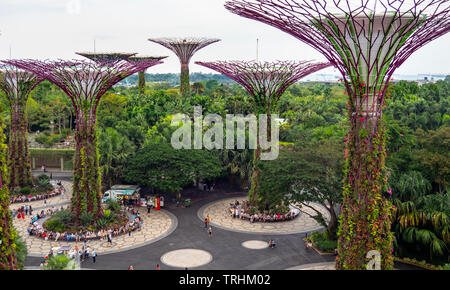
(8, 235)
(87, 180)
(19, 156)
(365, 221)
(255, 196)
(17, 85)
(185, 88)
(141, 82)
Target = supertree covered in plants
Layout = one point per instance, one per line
(266, 82)
(17, 85)
(141, 74)
(366, 41)
(8, 236)
(85, 82)
(106, 56)
(184, 48)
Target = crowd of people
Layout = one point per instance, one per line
(59, 189)
(36, 229)
(237, 210)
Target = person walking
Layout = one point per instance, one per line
(31, 210)
(206, 223)
(210, 232)
(109, 238)
(26, 209)
(157, 267)
(94, 255)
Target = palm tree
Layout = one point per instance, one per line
(430, 229)
(238, 163)
(115, 150)
(198, 88)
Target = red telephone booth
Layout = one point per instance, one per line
(158, 203)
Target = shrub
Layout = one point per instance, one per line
(102, 223)
(322, 242)
(86, 218)
(55, 225)
(21, 251)
(59, 262)
(43, 180)
(326, 245)
(113, 205)
(64, 216)
(25, 190)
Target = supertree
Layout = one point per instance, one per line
(141, 74)
(17, 85)
(184, 48)
(366, 41)
(8, 236)
(266, 82)
(85, 83)
(106, 56)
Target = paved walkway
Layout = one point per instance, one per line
(219, 214)
(159, 225)
(315, 266)
(227, 248)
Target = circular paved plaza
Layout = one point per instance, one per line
(159, 225)
(219, 214)
(255, 245)
(186, 258)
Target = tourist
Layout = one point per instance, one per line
(94, 255)
(131, 268)
(109, 238)
(210, 232)
(206, 222)
(157, 267)
(272, 244)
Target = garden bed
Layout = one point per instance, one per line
(61, 226)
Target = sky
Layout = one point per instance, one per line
(56, 29)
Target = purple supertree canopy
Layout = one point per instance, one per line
(84, 81)
(17, 83)
(366, 40)
(184, 48)
(106, 56)
(266, 80)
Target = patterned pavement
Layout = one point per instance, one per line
(218, 212)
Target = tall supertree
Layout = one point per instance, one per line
(141, 74)
(85, 83)
(184, 48)
(8, 236)
(366, 41)
(266, 82)
(17, 85)
(106, 56)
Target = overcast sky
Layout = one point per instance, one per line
(52, 29)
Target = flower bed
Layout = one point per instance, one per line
(121, 225)
(242, 211)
